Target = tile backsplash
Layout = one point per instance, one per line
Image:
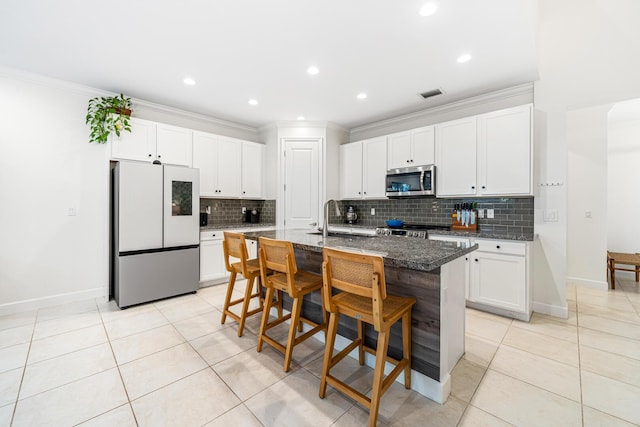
(229, 211)
(511, 215)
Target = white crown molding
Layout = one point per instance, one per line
(523, 89)
(54, 83)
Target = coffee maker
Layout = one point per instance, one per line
(351, 215)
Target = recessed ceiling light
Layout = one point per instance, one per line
(428, 9)
(189, 81)
(313, 70)
(464, 58)
(253, 102)
(361, 96)
(300, 117)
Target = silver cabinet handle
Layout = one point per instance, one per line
(313, 224)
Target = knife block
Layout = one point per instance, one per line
(456, 224)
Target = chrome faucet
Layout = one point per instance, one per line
(325, 228)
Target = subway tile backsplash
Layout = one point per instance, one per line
(229, 211)
(511, 215)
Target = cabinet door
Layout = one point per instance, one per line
(139, 144)
(212, 260)
(205, 158)
(229, 167)
(504, 147)
(252, 170)
(174, 145)
(423, 145)
(399, 150)
(456, 158)
(374, 167)
(498, 280)
(351, 170)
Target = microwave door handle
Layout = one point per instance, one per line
(422, 180)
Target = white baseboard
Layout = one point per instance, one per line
(594, 284)
(551, 310)
(36, 303)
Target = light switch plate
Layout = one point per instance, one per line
(373, 211)
(480, 213)
(551, 215)
(490, 213)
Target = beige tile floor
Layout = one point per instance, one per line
(172, 363)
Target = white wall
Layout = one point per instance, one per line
(46, 167)
(583, 54)
(623, 191)
(587, 196)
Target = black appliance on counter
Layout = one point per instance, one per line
(252, 216)
(204, 219)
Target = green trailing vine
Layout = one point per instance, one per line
(106, 115)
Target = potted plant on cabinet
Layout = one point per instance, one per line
(106, 115)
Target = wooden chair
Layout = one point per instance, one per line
(354, 285)
(278, 257)
(234, 245)
(614, 258)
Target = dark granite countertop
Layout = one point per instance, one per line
(401, 252)
(236, 226)
(483, 235)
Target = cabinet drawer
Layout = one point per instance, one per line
(502, 247)
(211, 235)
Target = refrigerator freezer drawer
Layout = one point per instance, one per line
(151, 276)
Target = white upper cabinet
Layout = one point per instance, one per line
(229, 167)
(219, 160)
(139, 144)
(486, 155)
(456, 158)
(252, 155)
(205, 158)
(374, 167)
(411, 148)
(504, 148)
(351, 170)
(363, 169)
(149, 141)
(174, 145)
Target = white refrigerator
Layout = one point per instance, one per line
(156, 232)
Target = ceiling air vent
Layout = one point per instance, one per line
(430, 93)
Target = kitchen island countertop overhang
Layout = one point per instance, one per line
(431, 271)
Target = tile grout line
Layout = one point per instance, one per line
(24, 370)
(484, 373)
(126, 392)
(579, 360)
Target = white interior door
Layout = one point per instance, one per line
(302, 178)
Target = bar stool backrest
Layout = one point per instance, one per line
(355, 273)
(235, 245)
(278, 256)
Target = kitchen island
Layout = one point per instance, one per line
(433, 272)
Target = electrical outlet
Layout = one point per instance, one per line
(490, 213)
(480, 213)
(244, 209)
(373, 211)
(550, 215)
(208, 210)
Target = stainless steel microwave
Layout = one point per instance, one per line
(412, 181)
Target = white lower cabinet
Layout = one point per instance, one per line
(499, 278)
(212, 267)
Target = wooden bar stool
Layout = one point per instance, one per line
(234, 245)
(278, 257)
(361, 292)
